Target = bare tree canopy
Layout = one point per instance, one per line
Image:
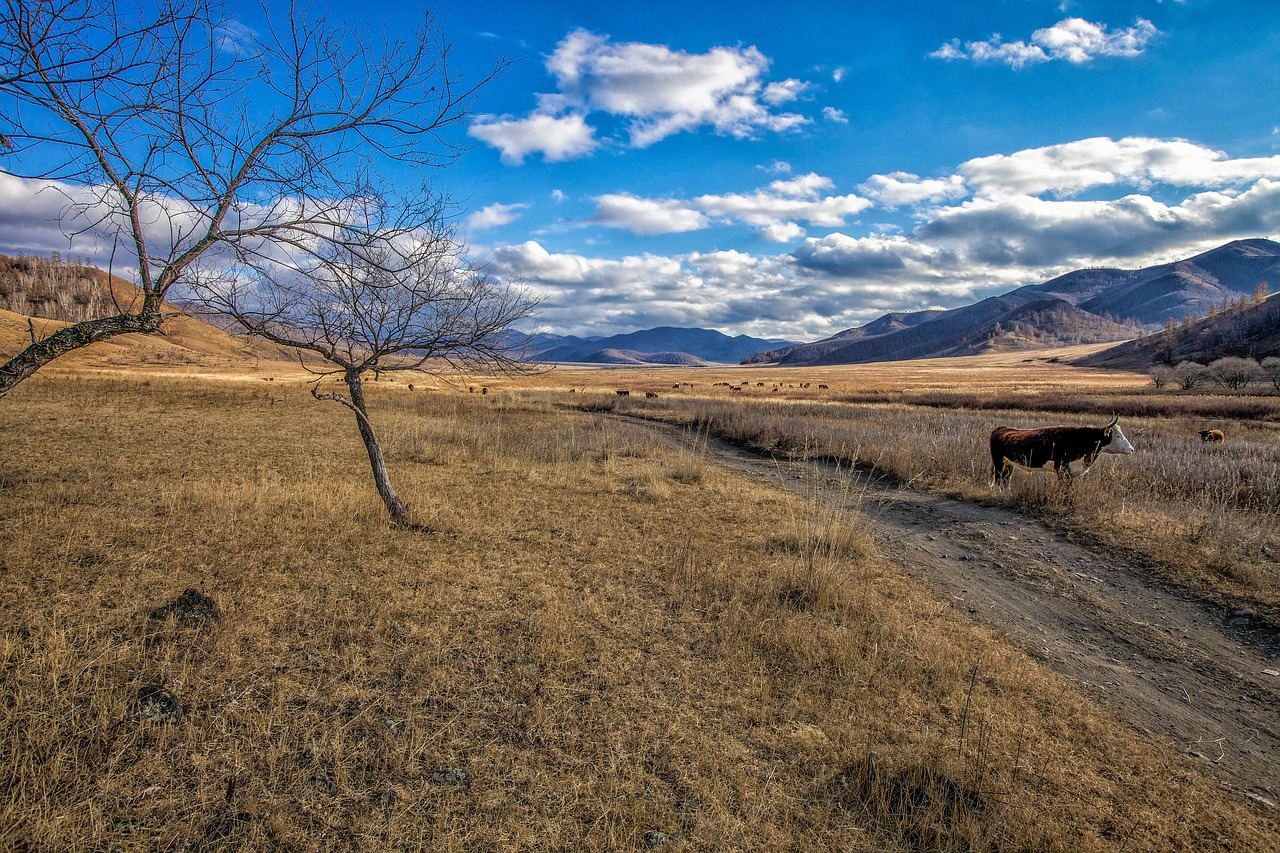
(189, 136)
(376, 297)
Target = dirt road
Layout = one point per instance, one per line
(1203, 679)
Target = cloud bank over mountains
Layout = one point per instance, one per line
(994, 223)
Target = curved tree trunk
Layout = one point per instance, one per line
(73, 337)
(399, 512)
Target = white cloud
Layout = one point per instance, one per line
(783, 91)
(1071, 40)
(494, 215)
(1076, 166)
(832, 114)
(838, 75)
(775, 212)
(647, 216)
(902, 188)
(655, 90)
(556, 138)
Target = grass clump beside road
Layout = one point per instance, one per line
(600, 642)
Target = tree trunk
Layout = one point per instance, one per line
(63, 341)
(399, 512)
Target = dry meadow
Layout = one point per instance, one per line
(596, 641)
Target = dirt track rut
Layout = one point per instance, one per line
(1198, 677)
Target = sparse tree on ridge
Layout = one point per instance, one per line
(377, 298)
(187, 137)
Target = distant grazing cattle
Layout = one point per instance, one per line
(650, 394)
(822, 386)
(1069, 449)
(1212, 436)
(622, 393)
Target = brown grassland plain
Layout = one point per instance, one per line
(598, 642)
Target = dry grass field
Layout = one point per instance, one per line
(598, 641)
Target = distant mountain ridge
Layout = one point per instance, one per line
(1083, 306)
(662, 345)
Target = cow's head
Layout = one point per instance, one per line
(1115, 442)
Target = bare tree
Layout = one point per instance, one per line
(187, 134)
(1189, 374)
(1271, 370)
(377, 297)
(1233, 372)
(1161, 375)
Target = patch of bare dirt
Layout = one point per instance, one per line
(1200, 677)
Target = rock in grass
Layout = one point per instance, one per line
(458, 777)
(192, 608)
(157, 704)
(655, 838)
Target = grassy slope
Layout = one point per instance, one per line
(611, 637)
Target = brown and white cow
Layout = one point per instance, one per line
(1069, 449)
(1212, 436)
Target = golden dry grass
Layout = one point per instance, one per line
(1207, 515)
(623, 647)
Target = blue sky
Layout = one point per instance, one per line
(792, 170)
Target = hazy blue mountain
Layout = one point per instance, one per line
(663, 345)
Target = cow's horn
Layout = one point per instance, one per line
(1112, 422)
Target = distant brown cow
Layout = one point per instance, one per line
(1212, 436)
(650, 394)
(624, 393)
(1059, 446)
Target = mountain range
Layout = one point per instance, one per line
(1084, 306)
(663, 345)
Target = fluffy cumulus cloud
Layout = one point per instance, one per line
(774, 212)
(1076, 166)
(899, 189)
(1070, 40)
(653, 90)
(647, 216)
(556, 138)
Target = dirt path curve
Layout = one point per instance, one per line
(1201, 679)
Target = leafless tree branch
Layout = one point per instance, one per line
(187, 136)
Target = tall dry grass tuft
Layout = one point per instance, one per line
(566, 662)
